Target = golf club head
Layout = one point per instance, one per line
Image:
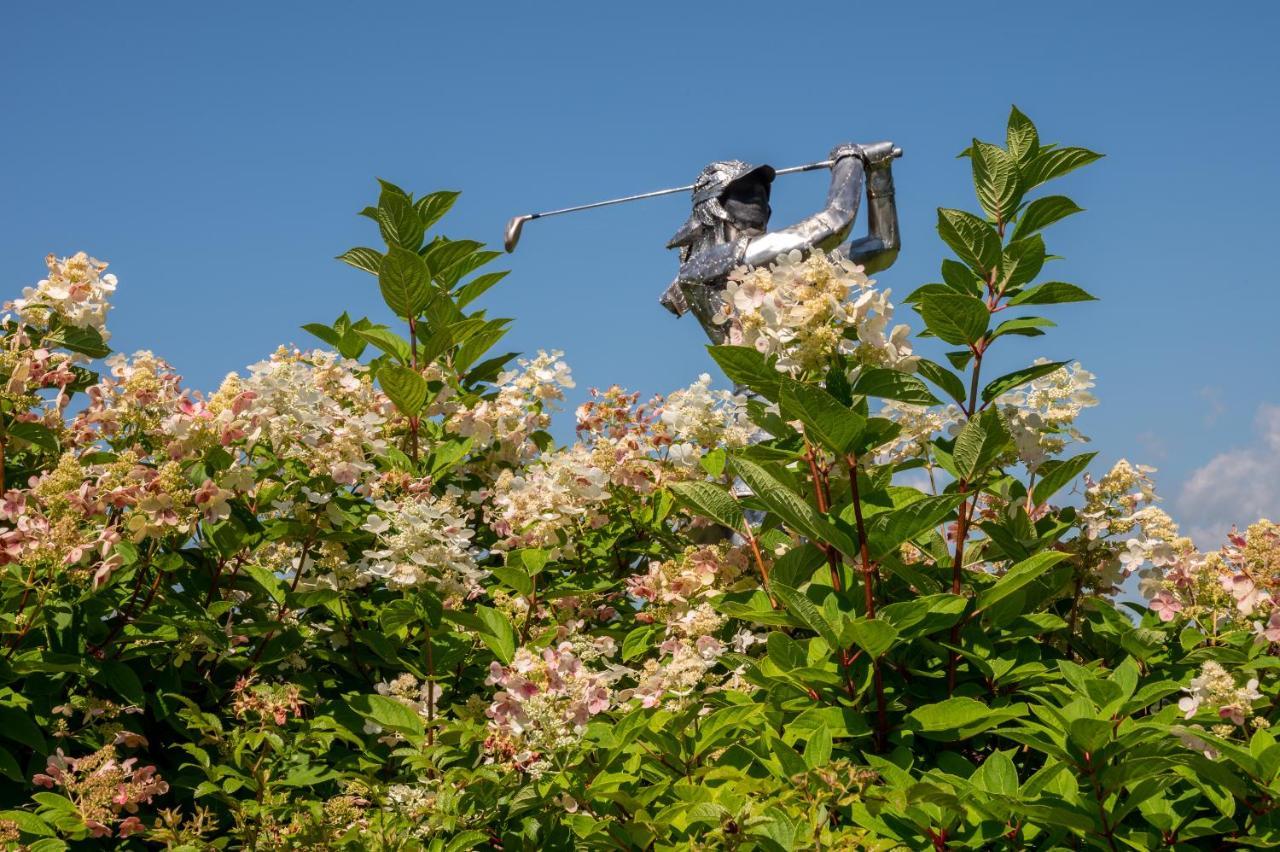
(512, 236)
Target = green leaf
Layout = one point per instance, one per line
(398, 222)
(1042, 213)
(1051, 293)
(513, 577)
(804, 609)
(785, 652)
(979, 443)
(86, 341)
(119, 677)
(396, 614)
(997, 775)
(893, 384)
(955, 319)
(1021, 137)
(638, 641)
(961, 278)
(995, 178)
(943, 378)
(480, 342)
(1056, 162)
(390, 714)
(1021, 262)
(35, 434)
(875, 636)
(431, 207)
(386, 340)
(711, 501)
(1054, 475)
(491, 626)
(1018, 577)
(973, 240)
(789, 506)
(1009, 381)
(405, 282)
(444, 254)
(925, 615)
(887, 531)
(476, 287)
(370, 260)
(1024, 326)
(405, 387)
(835, 426)
(959, 717)
(17, 725)
(747, 367)
(817, 748)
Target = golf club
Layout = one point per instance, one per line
(514, 227)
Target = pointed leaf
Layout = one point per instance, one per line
(431, 207)
(370, 260)
(1019, 576)
(1051, 293)
(807, 612)
(973, 240)
(789, 506)
(405, 387)
(893, 384)
(1056, 162)
(835, 426)
(995, 178)
(955, 319)
(1042, 213)
(1009, 381)
(711, 501)
(943, 378)
(405, 282)
(747, 367)
(1057, 475)
(1021, 137)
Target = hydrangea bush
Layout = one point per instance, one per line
(357, 598)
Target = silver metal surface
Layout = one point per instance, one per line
(511, 237)
(728, 226)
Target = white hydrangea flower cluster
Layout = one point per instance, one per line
(1041, 414)
(677, 594)
(920, 423)
(541, 504)
(423, 539)
(699, 417)
(522, 406)
(316, 407)
(76, 291)
(803, 309)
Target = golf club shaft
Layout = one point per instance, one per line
(808, 167)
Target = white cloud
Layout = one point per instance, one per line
(1236, 487)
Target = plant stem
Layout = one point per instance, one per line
(869, 581)
(821, 493)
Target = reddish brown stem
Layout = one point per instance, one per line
(821, 494)
(869, 581)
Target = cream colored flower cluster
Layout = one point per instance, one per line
(1042, 413)
(919, 424)
(698, 418)
(544, 503)
(521, 407)
(76, 292)
(315, 407)
(545, 700)
(804, 309)
(423, 539)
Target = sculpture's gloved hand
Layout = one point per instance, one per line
(847, 149)
(878, 154)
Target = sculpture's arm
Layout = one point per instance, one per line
(879, 248)
(823, 229)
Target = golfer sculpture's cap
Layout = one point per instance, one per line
(717, 177)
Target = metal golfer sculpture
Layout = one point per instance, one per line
(729, 224)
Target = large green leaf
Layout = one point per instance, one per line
(1021, 137)
(1051, 293)
(835, 426)
(1055, 475)
(399, 223)
(790, 507)
(405, 282)
(1042, 213)
(386, 340)
(979, 443)
(431, 207)
(887, 531)
(955, 319)
(959, 718)
(390, 714)
(873, 635)
(86, 341)
(747, 367)
(477, 286)
(1018, 577)
(1021, 262)
(405, 387)
(711, 501)
(973, 240)
(1009, 381)
(807, 612)
(895, 384)
(995, 178)
(370, 260)
(1056, 162)
(943, 378)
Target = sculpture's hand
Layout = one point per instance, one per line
(877, 155)
(846, 149)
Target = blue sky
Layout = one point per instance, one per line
(216, 155)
